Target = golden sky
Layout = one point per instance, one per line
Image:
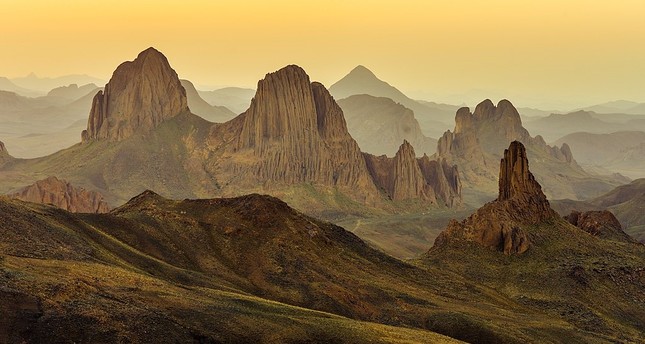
(533, 52)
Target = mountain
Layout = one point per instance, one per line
(62, 195)
(33, 82)
(292, 142)
(379, 125)
(131, 101)
(235, 98)
(515, 243)
(200, 107)
(618, 106)
(73, 92)
(480, 135)
(620, 152)
(7, 85)
(34, 127)
(555, 126)
(498, 224)
(433, 119)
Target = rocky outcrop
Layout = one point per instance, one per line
(295, 133)
(72, 92)
(407, 177)
(63, 195)
(500, 224)
(140, 95)
(601, 223)
(479, 137)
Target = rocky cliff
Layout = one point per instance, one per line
(4, 154)
(479, 136)
(407, 177)
(294, 132)
(140, 95)
(63, 195)
(499, 224)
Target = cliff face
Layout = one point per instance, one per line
(498, 224)
(407, 177)
(294, 132)
(63, 195)
(140, 95)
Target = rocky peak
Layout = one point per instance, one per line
(515, 179)
(62, 195)
(140, 95)
(499, 224)
(406, 177)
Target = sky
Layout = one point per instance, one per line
(549, 54)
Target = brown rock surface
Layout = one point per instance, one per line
(63, 195)
(407, 177)
(600, 223)
(499, 224)
(140, 95)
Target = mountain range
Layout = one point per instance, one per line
(433, 118)
(292, 142)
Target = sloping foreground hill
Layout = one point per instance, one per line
(66, 277)
(239, 269)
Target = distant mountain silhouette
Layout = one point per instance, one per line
(379, 125)
(234, 98)
(200, 107)
(44, 84)
(622, 151)
(361, 80)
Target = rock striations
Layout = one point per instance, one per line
(498, 224)
(140, 95)
(407, 177)
(480, 136)
(294, 132)
(63, 195)
(292, 143)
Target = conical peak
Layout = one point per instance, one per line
(484, 109)
(362, 71)
(515, 179)
(405, 150)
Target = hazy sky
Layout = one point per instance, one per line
(533, 52)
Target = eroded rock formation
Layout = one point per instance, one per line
(63, 195)
(600, 223)
(140, 95)
(498, 224)
(407, 177)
